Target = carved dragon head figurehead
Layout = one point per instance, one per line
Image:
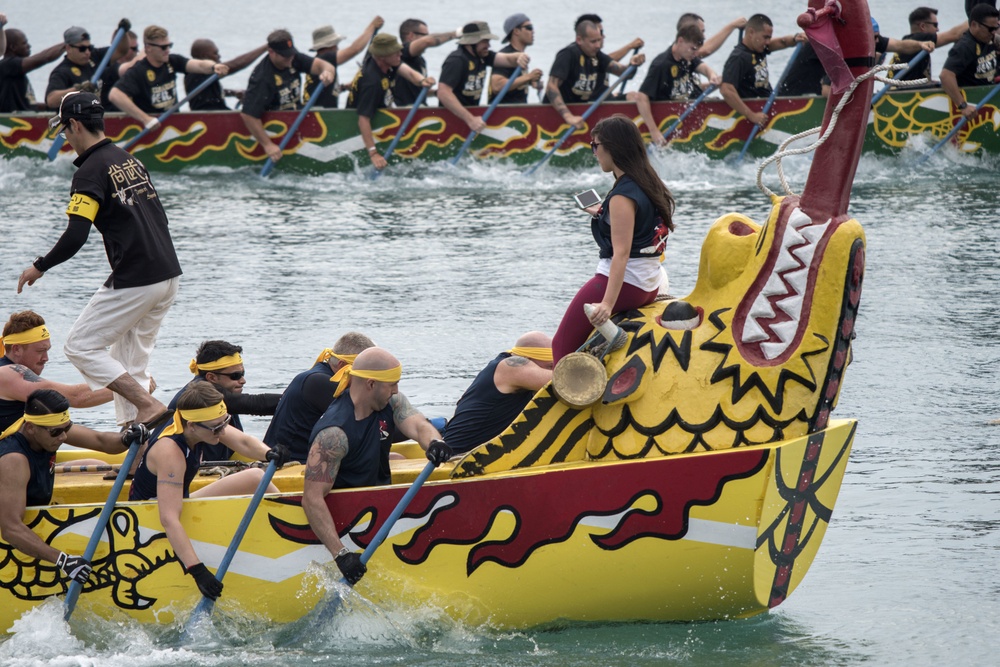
(756, 353)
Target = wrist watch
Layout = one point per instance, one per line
(963, 105)
(35, 263)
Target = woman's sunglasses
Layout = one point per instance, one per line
(216, 430)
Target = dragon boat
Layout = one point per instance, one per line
(328, 141)
(699, 485)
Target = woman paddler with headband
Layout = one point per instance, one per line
(171, 462)
(27, 458)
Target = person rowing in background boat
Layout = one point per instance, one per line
(521, 34)
(124, 57)
(463, 74)
(973, 59)
(78, 67)
(745, 75)
(715, 42)
(924, 28)
(416, 38)
(220, 363)
(500, 392)
(24, 351)
(16, 93)
(579, 72)
(325, 41)
(112, 191)
(276, 85)
(350, 446)
(171, 462)
(150, 86)
(372, 87)
(671, 77)
(213, 97)
(27, 471)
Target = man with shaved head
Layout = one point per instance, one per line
(351, 442)
(500, 392)
(213, 97)
(17, 60)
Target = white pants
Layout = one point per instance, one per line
(116, 333)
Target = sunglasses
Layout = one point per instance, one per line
(594, 145)
(527, 27)
(989, 28)
(56, 432)
(933, 23)
(165, 47)
(216, 430)
(133, 49)
(236, 375)
(85, 47)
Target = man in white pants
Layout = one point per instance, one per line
(111, 341)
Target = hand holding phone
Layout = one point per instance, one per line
(587, 198)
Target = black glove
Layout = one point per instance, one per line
(209, 586)
(76, 568)
(351, 566)
(438, 452)
(135, 433)
(279, 454)
(125, 25)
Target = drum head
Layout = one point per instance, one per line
(579, 379)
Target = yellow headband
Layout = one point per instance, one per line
(196, 415)
(390, 375)
(342, 377)
(24, 338)
(536, 353)
(218, 364)
(41, 420)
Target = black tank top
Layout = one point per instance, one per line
(39, 491)
(484, 411)
(369, 442)
(10, 411)
(144, 483)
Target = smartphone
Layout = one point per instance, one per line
(587, 198)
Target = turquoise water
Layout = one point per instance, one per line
(445, 267)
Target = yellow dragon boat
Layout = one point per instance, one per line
(698, 486)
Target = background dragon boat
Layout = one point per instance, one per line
(328, 141)
(699, 486)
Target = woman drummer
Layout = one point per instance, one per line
(171, 462)
(630, 228)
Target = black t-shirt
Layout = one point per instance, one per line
(974, 63)
(109, 77)
(670, 79)
(153, 89)
(514, 95)
(805, 75)
(68, 74)
(371, 89)
(15, 89)
(923, 68)
(747, 71)
(327, 98)
(129, 215)
(273, 89)
(466, 74)
(582, 79)
(404, 91)
(211, 98)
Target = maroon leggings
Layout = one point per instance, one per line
(575, 328)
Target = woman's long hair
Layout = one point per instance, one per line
(621, 138)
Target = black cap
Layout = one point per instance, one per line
(79, 105)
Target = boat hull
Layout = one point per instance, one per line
(714, 535)
(328, 141)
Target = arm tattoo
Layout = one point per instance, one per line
(171, 483)
(26, 373)
(401, 408)
(516, 361)
(327, 451)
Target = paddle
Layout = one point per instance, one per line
(623, 81)
(169, 112)
(331, 607)
(586, 114)
(958, 126)
(295, 126)
(916, 59)
(206, 605)
(102, 520)
(402, 130)
(770, 100)
(701, 98)
(123, 27)
(486, 116)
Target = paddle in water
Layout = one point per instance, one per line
(270, 164)
(135, 436)
(402, 130)
(958, 126)
(486, 116)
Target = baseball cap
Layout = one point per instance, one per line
(75, 35)
(511, 23)
(79, 105)
(283, 47)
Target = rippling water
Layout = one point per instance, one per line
(445, 267)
